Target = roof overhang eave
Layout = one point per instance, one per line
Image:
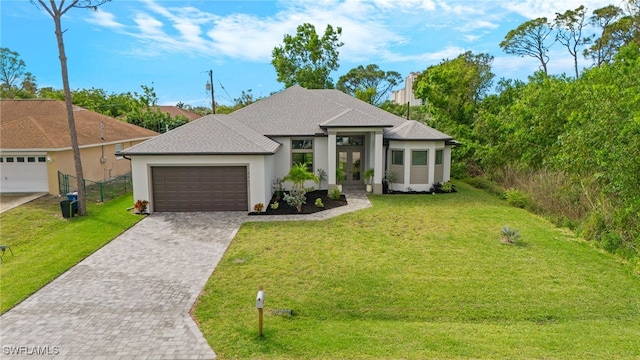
(124, 153)
(354, 126)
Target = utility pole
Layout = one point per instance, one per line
(210, 87)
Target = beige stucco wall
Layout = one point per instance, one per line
(93, 167)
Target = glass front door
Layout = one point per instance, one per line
(350, 161)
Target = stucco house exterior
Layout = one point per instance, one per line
(229, 162)
(35, 144)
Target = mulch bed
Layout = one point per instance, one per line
(308, 208)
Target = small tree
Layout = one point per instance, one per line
(56, 11)
(15, 81)
(530, 39)
(298, 175)
(307, 59)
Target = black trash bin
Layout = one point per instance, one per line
(65, 206)
(73, 197)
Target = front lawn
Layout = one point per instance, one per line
(421, 276)
(45, 245)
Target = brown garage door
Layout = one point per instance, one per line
(199, 188)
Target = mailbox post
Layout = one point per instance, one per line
(260, 306)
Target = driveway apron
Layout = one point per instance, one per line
(130, 299)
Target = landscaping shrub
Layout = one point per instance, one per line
(516, 198)
(334, 193)
(484, 183)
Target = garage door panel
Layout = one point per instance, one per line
(23, 176)
(199, 188)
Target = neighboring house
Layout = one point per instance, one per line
(405, 95)
(174, 111)
(229, 162)
(35, 144)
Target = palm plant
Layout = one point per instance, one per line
(298, 175)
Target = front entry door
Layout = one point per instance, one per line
(350, 161)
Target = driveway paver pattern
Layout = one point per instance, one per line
(131, 299)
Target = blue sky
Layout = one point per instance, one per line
(171, 45)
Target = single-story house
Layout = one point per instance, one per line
(229, 162)
(35, 144)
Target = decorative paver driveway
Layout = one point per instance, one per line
(131, 299)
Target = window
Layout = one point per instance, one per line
(419, 157)
(42, 159)
(9, 159)
(31, 159)
(349, 140)
(119, 148)
(1, 159)
(302, 152)
(302, 144)
(397, 157)
(439, 157)
(20, 158)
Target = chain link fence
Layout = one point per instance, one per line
(96, 190)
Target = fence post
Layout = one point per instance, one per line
(101, 193)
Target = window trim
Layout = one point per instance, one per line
(441, 153)
(308, 150)
(426, 157)
(393, 158)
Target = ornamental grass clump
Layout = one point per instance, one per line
(509, 235)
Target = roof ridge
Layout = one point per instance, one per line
(328, 121)
(236, 122)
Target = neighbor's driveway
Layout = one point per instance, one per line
(131, 298)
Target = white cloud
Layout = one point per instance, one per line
(478, 25)
(406, 5)
(105, 19)
(533, 9)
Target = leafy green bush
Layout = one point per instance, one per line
(447, 187)
(482, 182)
(319, 203)
(516, 198)
(296, 198)
(334, 194)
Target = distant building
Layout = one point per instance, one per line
(174, 111)
(405, 95)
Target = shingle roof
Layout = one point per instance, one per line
(414, 130)
(212, 134)
(43, 124)
(354, 118)
(292, 112)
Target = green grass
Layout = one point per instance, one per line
(421, 276)
(45, 245)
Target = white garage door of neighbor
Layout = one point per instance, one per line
(23, 174)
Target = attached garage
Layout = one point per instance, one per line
(199, 188)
